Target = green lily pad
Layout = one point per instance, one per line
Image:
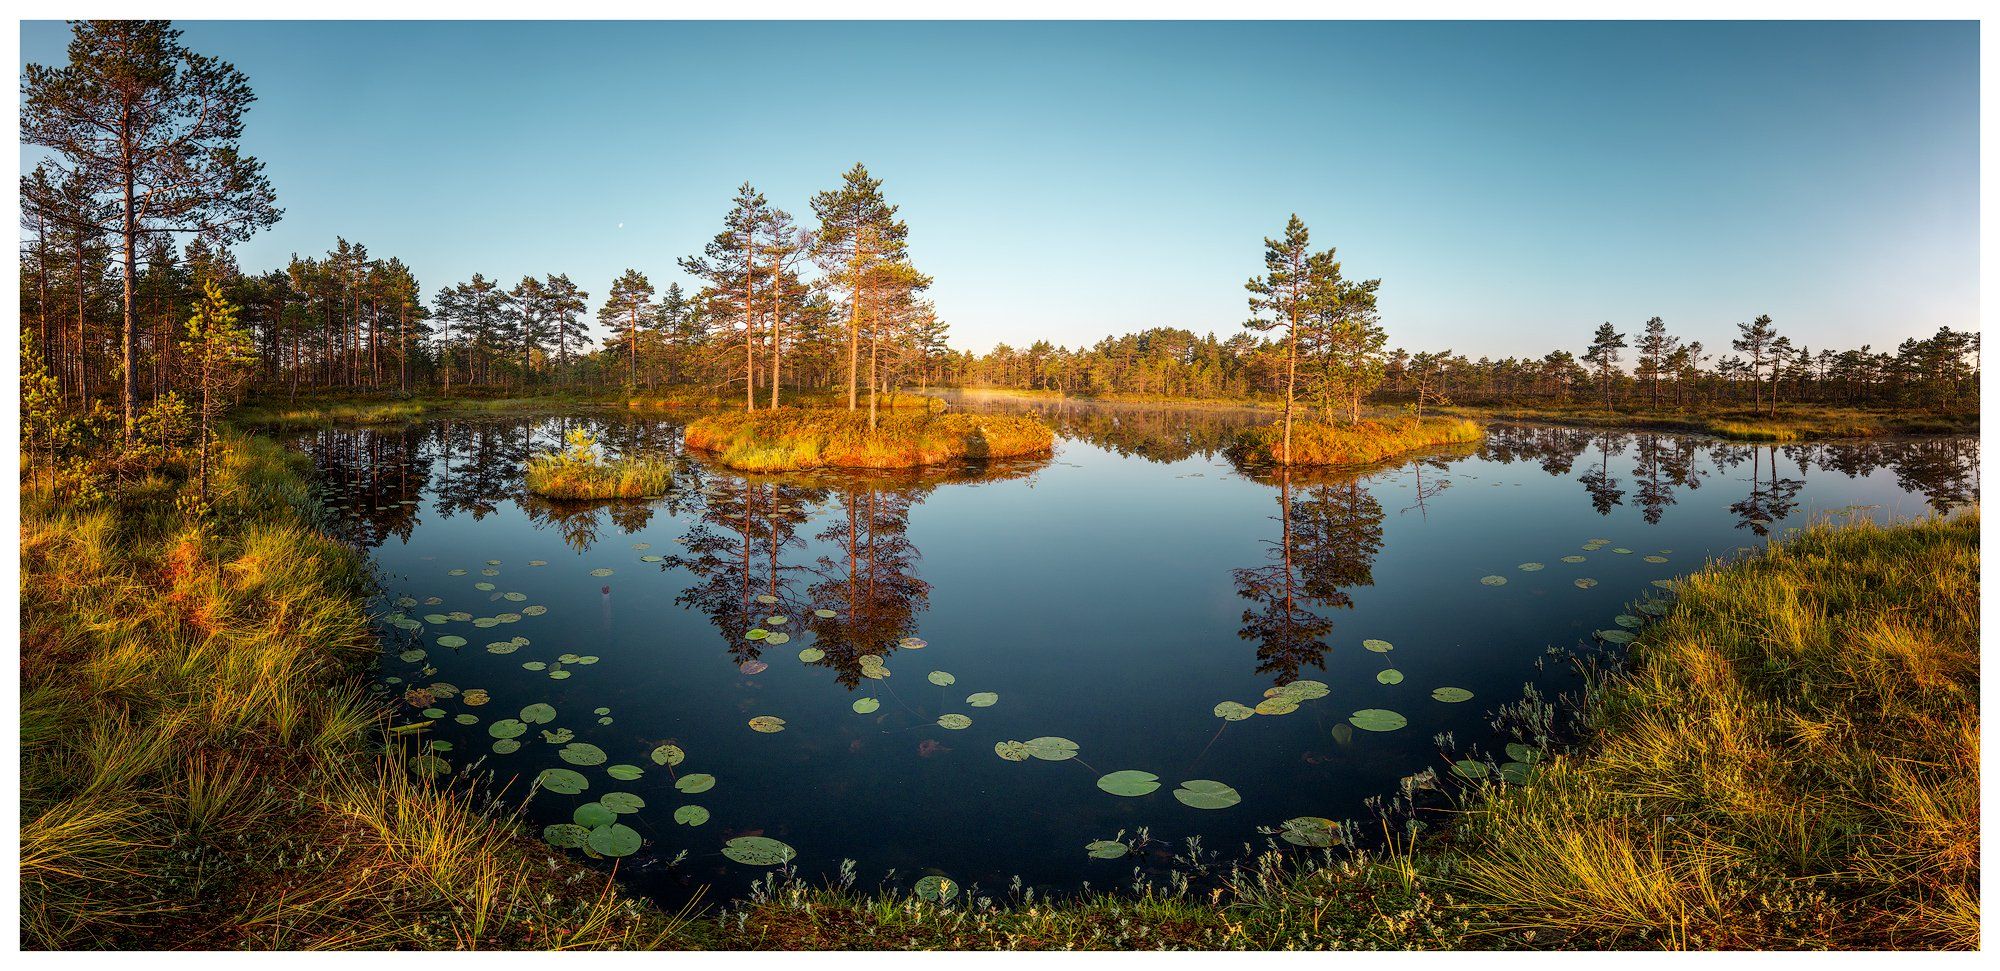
(1654, 558)
(1389, 676)
(1629, 622)
(451, 641)
(825, 614)
(507, 728)
(1451, 696)
(1493, 580)
(1051, 748)
(668, 754)
(624, 772)
(756, 634)
(1207, 794)
(593, 815)
(1013, 751)
(457, 573)
(1584, 583)
(1468, 769)
(569, 782)
(514, 596)
(1529, 567)
(954, 721)
(941, 678)
(982, 699)
(936, 889)
(1277, 705)
(1128, 782)
(1313, 831)
(622, 803)
(616, 839)
(538, 714)
(1654, 608)
(1377, 720)
(1106, 849)
(1622, 551)
(566, 836)
(1517, 773)
(695, 782)
(766, 599)
(1573, 558)
(690, 815)
(1302, 690)
(1378, 646)
(1614, 636)
(811, 654)
(778, 637)
(758, 851)
(913, 643)
(560, 736)
(768, 724)
(1523, 752)
(602, 571)
(432, 713)
(484, 586)
(1232, 711)
(506, 746)
(581, 753)
(866, 706)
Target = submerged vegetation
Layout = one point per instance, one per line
(577, 471)
(1355, 443)
(783, 440)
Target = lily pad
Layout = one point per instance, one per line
(1493, 580)
(566, 836)
(1450, 695)
(1304, 690)
(866, 706)
(954, 721)
(753, 666)
(451, 641)
(569, 782)
(778, 637)
(616, 839)
(1378, 646)
(1278, 705)
(1051, 748)
(581, 753)
(1529, 567)
(1234, 711)
(669, 754)
(1622, 551)
(1517, 773)
(1629, 622)
(1389, 676)
(622, 803)
(913, 643)
(1013, 751)
(1313, 831)
(825, 614)
(982, 699)
(1614, 636)
(538, 714)
(941, 678)
(768, 724)
(695, 782)
(1584, 583)
(756, 634)
(602, 571)
(1573, 558)
(937, 889)
(811, 654)
(506, 746)
(1469, 769)
(1105, 849)
(758, 851)
(593, 815)
(1523, 752)
(690, 815)
(507, 728)
(1128, 782)
(1377, 720)
(766, 599)
(1207, 794)
(624, 772)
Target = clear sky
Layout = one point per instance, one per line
(1512, 184)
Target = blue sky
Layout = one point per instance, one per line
(1512, 184)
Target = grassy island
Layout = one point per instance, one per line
(576, 471)
(791, 439)
(1317, 443)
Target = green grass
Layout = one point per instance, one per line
(1317, 443)
(791, 439)
(1792, 422)
(578, 472)
(203, 767)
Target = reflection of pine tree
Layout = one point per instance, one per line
(1603, 489)
(375, 472)
(736, 553)
(871, 583)
(1328, 537)
(1769, 500)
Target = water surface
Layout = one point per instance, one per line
(1112, 594)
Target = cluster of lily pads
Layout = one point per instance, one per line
(1581, 583)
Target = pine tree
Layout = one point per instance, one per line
(1756, 340)
(625, 310)
(565, 304)
(1291, 289)
(863, 250)
(217, 353)
(1603, 355)
(1655, 349)
(156, 127)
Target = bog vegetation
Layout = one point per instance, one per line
(578, 471)
(788, 439)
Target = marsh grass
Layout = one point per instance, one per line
(1319, 443)
(577, 471)
(202, 767)
(1792, 423)
(789, 439)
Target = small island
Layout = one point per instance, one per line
(1319, 443)
(578, 471)
(791, 439)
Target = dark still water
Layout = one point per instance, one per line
(1112, 596)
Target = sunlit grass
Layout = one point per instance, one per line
(576, 471)
(1357, 443)
(790, 438)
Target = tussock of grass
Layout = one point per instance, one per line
(790, 439)
(1357, 443)
(575, 473)
(1789, 762)
(197, 761)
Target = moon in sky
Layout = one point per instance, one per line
(621, 225)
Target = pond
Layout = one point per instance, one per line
(977, 672)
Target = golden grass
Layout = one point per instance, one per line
(790, 439)
(1318, 443)
(632, 477)
(200, 763)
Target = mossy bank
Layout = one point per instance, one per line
(790, 439)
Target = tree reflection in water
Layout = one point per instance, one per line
(1329, 532)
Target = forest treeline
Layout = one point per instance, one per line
(128, 224)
